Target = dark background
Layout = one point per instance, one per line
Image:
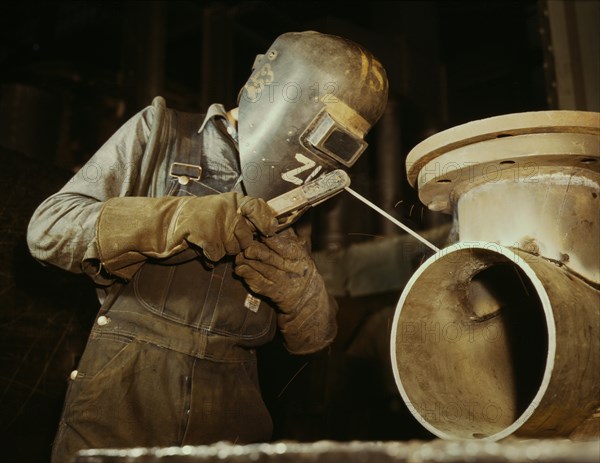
(72, 72)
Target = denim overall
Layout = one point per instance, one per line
(170, 360)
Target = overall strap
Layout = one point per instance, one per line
(182, 161)
(152, 181)
(200, 162)
(173, 152)
(185, 145)
(184, 153)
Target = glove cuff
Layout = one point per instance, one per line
(311, 325)
(131, 229)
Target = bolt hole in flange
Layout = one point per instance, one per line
(507, 162)
(444, 180)
(588, 161)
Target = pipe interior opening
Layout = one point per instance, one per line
(472, 344)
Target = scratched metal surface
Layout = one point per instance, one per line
(510, 450)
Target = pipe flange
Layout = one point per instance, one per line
(513, 146)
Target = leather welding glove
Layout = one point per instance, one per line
(131, 229)
(281, 269)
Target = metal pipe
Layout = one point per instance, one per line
(506, 342)
(500, 333)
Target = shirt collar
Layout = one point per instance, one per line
(214, 110)
(217, 110)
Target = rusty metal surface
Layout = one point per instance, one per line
(549, 451)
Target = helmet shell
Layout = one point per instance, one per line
(306, 109)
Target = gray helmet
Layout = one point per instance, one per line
(306, 109)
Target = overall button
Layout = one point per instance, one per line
(73, 374)
(102, 320)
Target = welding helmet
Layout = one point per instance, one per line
(305, 110)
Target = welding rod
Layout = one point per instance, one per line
(391, 219)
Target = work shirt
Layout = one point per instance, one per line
(62, 231)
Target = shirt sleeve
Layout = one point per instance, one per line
(62, 230)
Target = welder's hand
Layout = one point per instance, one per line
(278, 267)
(132, 229)
(281, 269)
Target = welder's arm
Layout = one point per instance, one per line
(132, 229)
(281, 268)
(101, 223)
(62, 230)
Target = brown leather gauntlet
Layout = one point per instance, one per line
(281, 269)
(131, 229)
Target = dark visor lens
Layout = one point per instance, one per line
(329, 137)
(342, 144)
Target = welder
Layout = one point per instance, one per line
(170, 218)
